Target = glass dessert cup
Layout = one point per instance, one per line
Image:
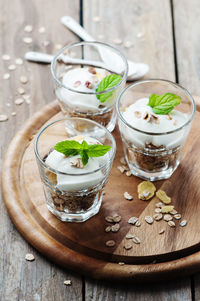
(77, 70)
(154, 155)
(74, 196)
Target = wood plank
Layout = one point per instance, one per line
(148, 25)
(186, 16)
(19, 279)
(179, 291)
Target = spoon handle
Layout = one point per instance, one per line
(38, 57)
(70, 23)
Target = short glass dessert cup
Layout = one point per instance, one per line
(154, 155)
(75, 196)
(77, 69)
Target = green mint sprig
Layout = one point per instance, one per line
(107, 82)
(73, 148)
(163, 104)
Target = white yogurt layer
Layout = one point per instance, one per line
(75, 182)
(77, 79)
(141, 116)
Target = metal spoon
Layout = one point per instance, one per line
(135, 70)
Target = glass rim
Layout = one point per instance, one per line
(53, 62)
(112, 150)
(149, 81)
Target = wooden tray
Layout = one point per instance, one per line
(81, 247)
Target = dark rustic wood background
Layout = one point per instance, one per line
(165, 34)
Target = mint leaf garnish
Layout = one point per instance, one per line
(163, 104)
(85, 150)
(107, 82)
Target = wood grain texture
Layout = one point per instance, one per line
(147, 25)
(66, 243)
(21, 280)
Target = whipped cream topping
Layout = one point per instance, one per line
(75, 181)
(141, 116)
(82, 80)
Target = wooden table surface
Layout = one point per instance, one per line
(164, 34)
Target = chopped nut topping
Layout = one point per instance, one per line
(147, 117)
(92, 70)
(77, 83)
(169, 117)
(76, 162)
(89, 85)
(137, 114)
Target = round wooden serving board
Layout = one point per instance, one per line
(81, 247)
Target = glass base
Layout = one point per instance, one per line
(153, 176)
(65, 216)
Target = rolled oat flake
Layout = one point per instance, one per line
(110, 243)
(183, 223)
(3, 117)
(29, 257)
(149, 219)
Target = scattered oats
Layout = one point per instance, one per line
(19, 61)
(132, 220)
(28, 101)
(96, 18)
(138, 224)
(146, 190)
(109, 219)
(6, 57)
(3, 117)
(19, 101)
(122, 160)
(159, 205)
(173, 212)
(129, 236)
(110, 243)
(128, 246)
(117, 41)
(6, 76)
(171, 224)
(29, 257)
(28, 28)
(140, 34)
(26, 96)
(58, 46)
(67, 282)
(23, 79)
(136, 240)
(128, 44)
(167, 209)
(128, 196)
(157, 210)
(128, 173)
(108, 229)
(11, 67)
(121, 263)
(121, 169)
(183, 223)
(117, 218)
(8, 104)
(27, 40)
(158, 216)
(42, 29)
(20, 90)
(13, 113)
(177, 216)
(46, 43)
(101, 36)
(167, 217)
(161, 231)
(149, 219)
(115, 228)
(161, 194)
